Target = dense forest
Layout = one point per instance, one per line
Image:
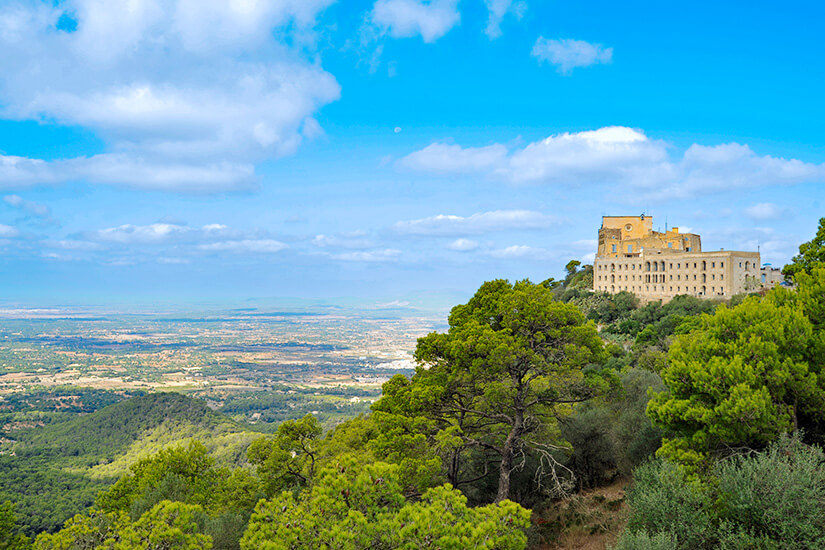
(712, 413)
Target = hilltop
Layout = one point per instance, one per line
(55, 471)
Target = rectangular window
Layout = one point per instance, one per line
(630, 248)
(721, 264)
(670, 245)
(614, 248)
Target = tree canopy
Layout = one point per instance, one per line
(513, 361)
(744, 375)
(811, 254)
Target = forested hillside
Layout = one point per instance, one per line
(712, 413)
(54, 471)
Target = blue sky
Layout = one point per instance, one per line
(389, 151)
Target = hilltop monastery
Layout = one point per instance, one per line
(658, 266)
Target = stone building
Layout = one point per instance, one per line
(656, 265)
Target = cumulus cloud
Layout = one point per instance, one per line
(431, 19)
(567, 54)
(72, 244)
(618, 155)
(267, 246)
(497, 9)
(29, 207)
(7, 231)
(445, 158)
(384, 255)
(160, 233)
(141, 234)
(463, 245)
(521, 251)
(128, 170)
(765, 211)
(353, 240)
(170, 85)
(482, 222)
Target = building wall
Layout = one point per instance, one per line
(663, 274)
(622, 236)
(771, 276)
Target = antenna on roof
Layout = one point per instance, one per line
(665, 224)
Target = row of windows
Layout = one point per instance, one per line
(655, 266)
(660, 278)
(661, 288)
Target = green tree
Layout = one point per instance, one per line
(353, 507)
(811, 254)
(512, 363)
(288, 458)
(183, 473)
(10, 536)
(572, 267)
(166, 526)
(739, 379)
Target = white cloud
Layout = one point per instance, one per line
(173, 261)
(463, 245)
(33, 208)
(619, 156)
(483, 222)
(497, 9)
(69, 244)
(445, 158)
(7, 231)
(521, 251)
(170, 85)
(140, 234)
(431, 19)
(385, 255)
(245, 246)
(568, 54)
(765, 211)
(354, 240)
(128, 170)
(160, 233)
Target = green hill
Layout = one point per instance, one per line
(55, 471)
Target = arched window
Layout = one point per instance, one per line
(704, 265)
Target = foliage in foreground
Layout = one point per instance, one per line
(350, 508)
(744, 375)
(769, 500)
